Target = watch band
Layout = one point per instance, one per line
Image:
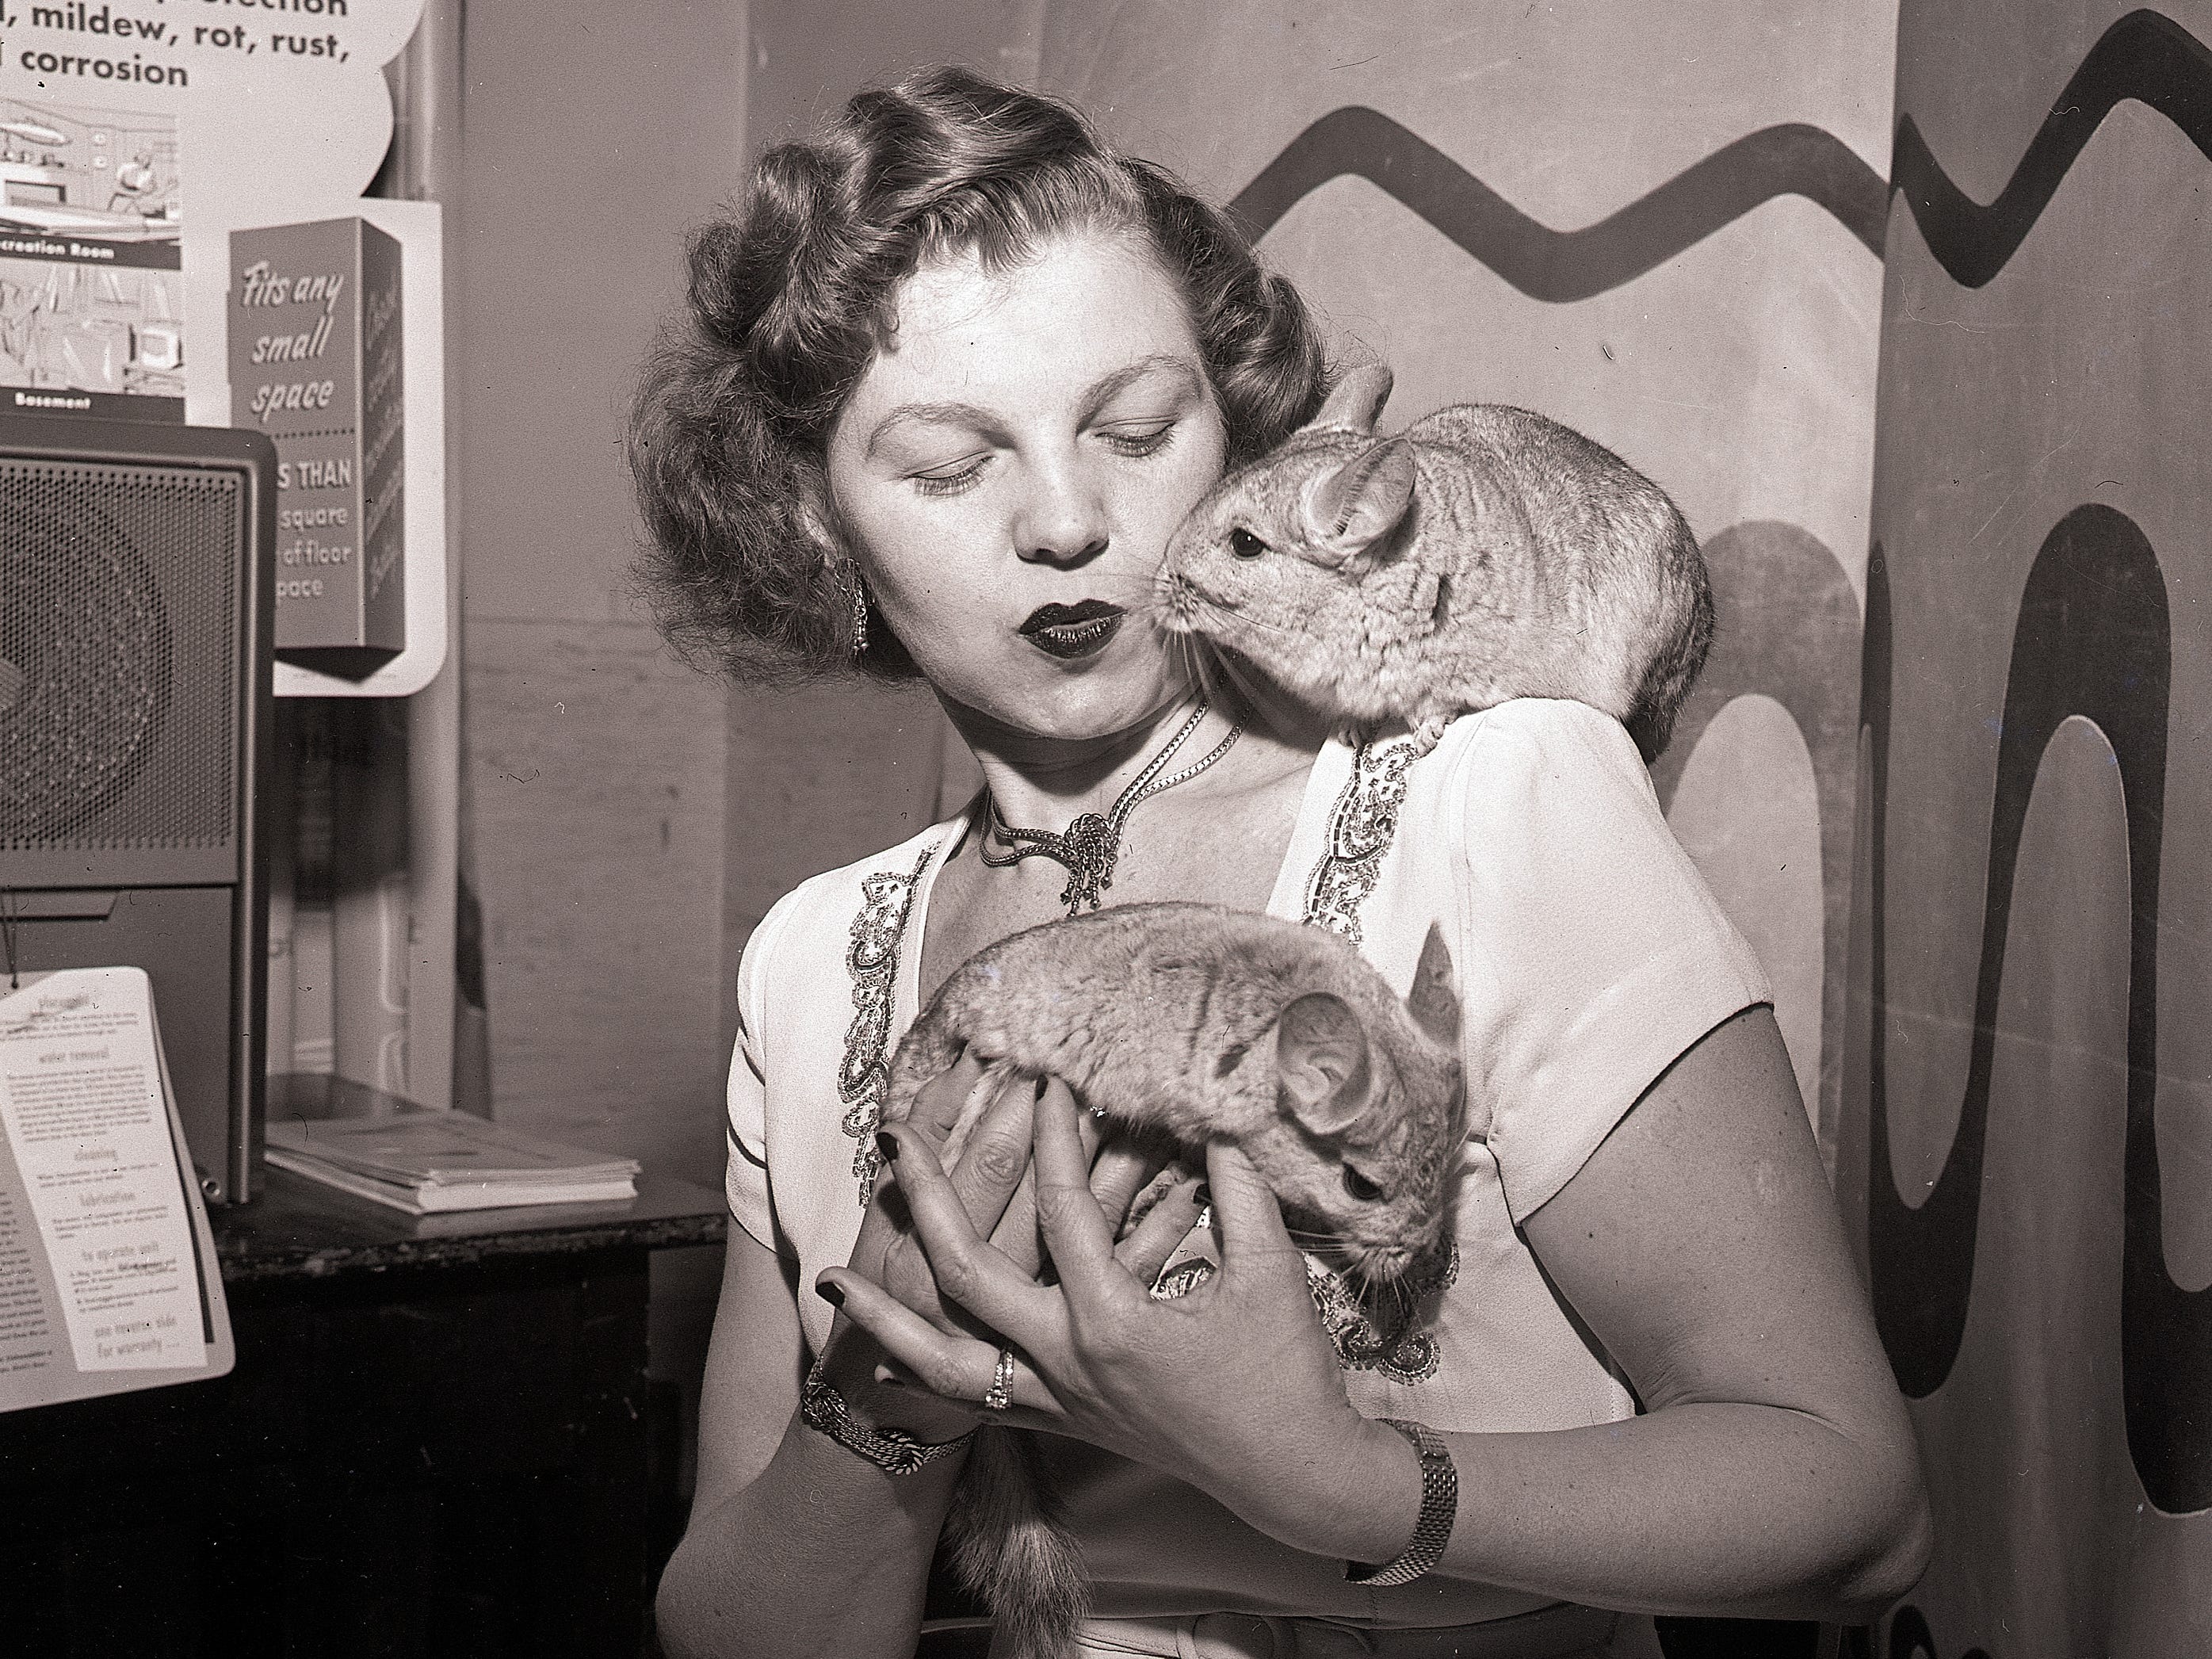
(822, 1409)
(1439, 1509)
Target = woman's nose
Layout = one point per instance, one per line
(1062, 518)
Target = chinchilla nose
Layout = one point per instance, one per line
(1426, 1261)
(1177, 598)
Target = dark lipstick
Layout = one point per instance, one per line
(1073, 630)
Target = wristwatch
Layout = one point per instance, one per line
(1439, 1508)
(822, 1408)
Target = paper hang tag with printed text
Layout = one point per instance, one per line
(107, 1273)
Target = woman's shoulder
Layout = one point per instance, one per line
(816, 918)
(1552, 727)
(1541, 754)
(1541, 815)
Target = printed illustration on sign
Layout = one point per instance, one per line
(91, 296)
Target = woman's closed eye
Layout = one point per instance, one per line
(1134, 440)
(1138, 439)
(951, 477)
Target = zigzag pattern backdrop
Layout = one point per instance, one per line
(2026, 1065)
(1945, 828)
(1793, 159)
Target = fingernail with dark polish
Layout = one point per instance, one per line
(831, 1294)
(887, 1144)
(1203, 1196)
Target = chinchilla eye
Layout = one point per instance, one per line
(1359, 1186)
(1244, 544)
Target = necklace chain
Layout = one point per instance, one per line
(1091, 846)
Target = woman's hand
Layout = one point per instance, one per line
(994, 1186)
(1233, 1387)
(985, 1181)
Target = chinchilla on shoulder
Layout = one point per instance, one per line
(1484, 553)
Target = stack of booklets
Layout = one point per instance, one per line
(427, 1162)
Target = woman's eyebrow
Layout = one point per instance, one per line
(1174, 364)
(926, 415)
(1099, 392)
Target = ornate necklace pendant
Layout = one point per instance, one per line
(1090, 847)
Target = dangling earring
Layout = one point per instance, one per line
(860, 609)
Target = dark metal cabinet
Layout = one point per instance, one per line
(439, 1439)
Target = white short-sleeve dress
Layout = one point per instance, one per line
(1589, 955)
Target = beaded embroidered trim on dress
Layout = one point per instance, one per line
(1409, 1357)
(1360, 829)
(886, 900)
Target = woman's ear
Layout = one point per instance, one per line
(816, 512)
(1356, 400)
(814, 524)
(1320, 1063)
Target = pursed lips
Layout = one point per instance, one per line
(1073, 630)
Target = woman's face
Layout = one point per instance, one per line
(1009, 469)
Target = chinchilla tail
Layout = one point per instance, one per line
(1011, 1549)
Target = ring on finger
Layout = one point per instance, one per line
(1001, 1394)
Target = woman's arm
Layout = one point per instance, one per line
(1774, 1473)
(795, 1546)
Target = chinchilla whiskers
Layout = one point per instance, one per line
(1217, 672)
(1137, 595)
(1406, 1293)
(1395, 1296)
(1234, 673)
(1211, 671)
(1200, 666)
(1154, 607)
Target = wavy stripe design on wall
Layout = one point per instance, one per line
(2092, 637)
(2145, 56)
(1789, 630)
(1555, 265)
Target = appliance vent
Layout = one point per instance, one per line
(118, 670)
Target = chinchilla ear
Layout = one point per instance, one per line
(1352, 506)
(1356, 400)
(1434, 1000)
(1320, 1063)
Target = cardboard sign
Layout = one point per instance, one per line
(315, 335)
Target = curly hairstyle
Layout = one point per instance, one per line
(791, 294)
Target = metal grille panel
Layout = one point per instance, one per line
(119, 656)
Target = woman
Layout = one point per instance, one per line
(949, 378)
